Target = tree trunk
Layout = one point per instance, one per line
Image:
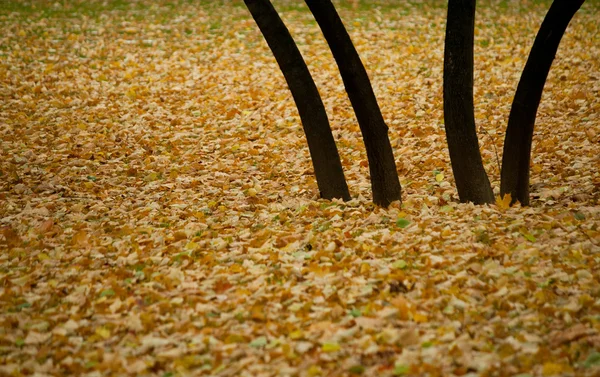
(519, 133)
(471, 179)
(323, 151)
(382, 167)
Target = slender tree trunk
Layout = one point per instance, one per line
(471, 179)
(519, 133)
(323, 151)
(382, 167)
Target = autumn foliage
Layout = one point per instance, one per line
(159, 213)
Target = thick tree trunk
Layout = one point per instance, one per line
(384, 177)
(519, 133)
(323, 151)
(471, 179)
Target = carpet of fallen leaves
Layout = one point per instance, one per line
(159, 214)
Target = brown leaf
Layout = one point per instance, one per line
(571, 334)
(11, 236)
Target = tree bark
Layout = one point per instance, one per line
(323, 151)
(471, 179)
(382, 166)
(519, 132)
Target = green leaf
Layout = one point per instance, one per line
(92, 178)
(528, 236)
(579, 216)
(592, 360)
(357, 369)
(23, 305)
(399, 264)
(107, 293)
(401, 369)
(20, 342)
(330, 347)
(402, 222)
(355, 313)
(484, 238)
(547, 283)
(261, 341)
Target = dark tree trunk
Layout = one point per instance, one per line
(471, 179)
(323, 151)
(519, 133)
(382, 167)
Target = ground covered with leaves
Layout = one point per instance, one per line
(159, 214)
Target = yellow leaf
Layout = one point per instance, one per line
(298, 334)
(235, 338)
(258, 313)
(191, 246)
(252, 192)
(314, 370)
(103, 332)
(504, 203)
(131, 93)
(80, 239)
(439, 177)
(551, 369)
(43, 256)
(151, 177)
(364, 268)
(20, 281)
(420, 317)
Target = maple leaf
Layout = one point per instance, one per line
(504, 202)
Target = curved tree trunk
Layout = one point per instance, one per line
(382, 167)
(471, 179)
(519, 133)
(323, 151)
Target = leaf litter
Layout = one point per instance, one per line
(159, 214)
